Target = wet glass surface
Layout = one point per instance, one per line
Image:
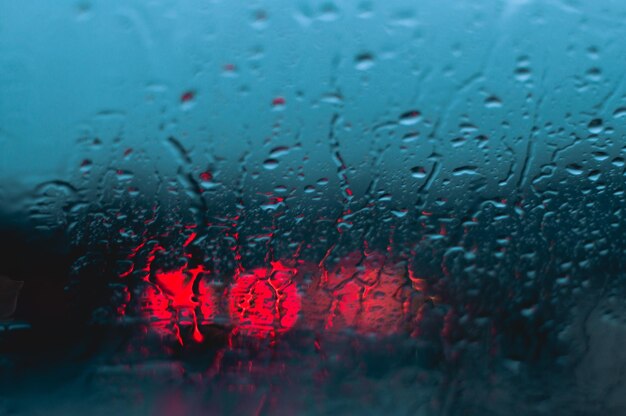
(312, 207)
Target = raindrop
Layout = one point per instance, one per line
(365, 10)
(600, 156)
(594, 74)
(364, 61)
(595, 126)
(270, 164)
(594, 175)
(458, 141)
(279, 151)
(410, 117)
(593, 52)
(328, 12)
(259, 19)
(493, 102)
(400, 213)
(229, 70)
(418, 172)
(574, 169)
(187, 96)
(465, 170)
(620, 112)
(410, 137)
(522, 74)
(85, 166)
(522, 71)
(279, 103)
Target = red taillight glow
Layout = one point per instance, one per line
(364, 295)
(264, 300)
(361, 294)
(174, 298)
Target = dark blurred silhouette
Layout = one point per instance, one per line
(9, 292)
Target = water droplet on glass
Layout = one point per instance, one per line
(279, 151)
(187, 96)
(410, 117)
(493, 102)
(364, 61)
(595, 126)
(594, 74)
(328, 12)
(574, 169)
(270, 164)
(620, 112)
(278, 103)
(418, 172)
(259, 19)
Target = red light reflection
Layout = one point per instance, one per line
(172, 299)
(364, 293)
(263, 301)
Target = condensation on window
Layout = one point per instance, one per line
(312, 207)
